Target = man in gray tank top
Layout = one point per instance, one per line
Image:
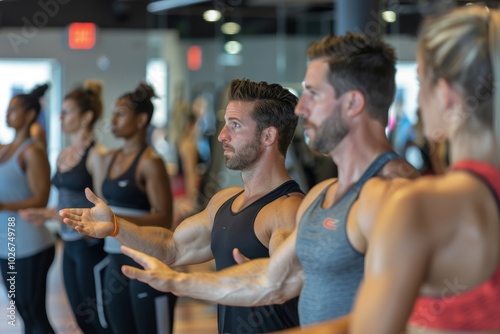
(348, 88)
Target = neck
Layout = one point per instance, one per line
(81, 138)
(356, 152)
(265, 176)
(474, 145)
(21, 136)
(133, 144)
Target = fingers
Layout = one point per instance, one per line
(238, 257)
(144, 260)
(71, 216)
(25, 214)
(34, 216)
(92, 197)
(133, 273)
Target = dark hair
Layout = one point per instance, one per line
(88, 97)
(32, 100)
(140, 99)
(274, 106)
(363, 63)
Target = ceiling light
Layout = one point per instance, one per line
(230, 28)
(212, 15)
(233, 47)
(389, 16)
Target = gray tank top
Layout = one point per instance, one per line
(333, 269)
(29, 239)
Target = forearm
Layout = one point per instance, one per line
(32, 202)
(152, 240)
(151, 220)
(242, 285)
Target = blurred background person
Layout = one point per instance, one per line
(77, 169)
(25, 183)
(137, 187)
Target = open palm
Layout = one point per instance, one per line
(96, 222)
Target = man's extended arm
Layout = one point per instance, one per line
(189, 244)
(258, 282)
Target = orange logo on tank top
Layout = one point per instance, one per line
(330, 223)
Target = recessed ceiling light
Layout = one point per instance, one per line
(212, 15)
(230, 28)
(233, 47)
(389, 16)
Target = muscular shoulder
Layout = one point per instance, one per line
(429, 204)
(220, 198)
(378, 189)
(150, 160)
(372, 198)
(284, 207)
(398, 168)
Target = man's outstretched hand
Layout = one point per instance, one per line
(155, 273)
(96, 222)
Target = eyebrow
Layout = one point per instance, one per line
(233, 118)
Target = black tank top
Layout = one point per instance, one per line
(123, 191)
(77, 178)
(236, 230)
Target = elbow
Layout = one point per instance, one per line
(281, 296)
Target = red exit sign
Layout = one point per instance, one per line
(81, 36)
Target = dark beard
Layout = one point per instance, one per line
(330, 133)
(246, 157)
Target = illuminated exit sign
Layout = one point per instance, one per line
(81, 36)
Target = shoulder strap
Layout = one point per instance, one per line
(21, 148)
(111, 163)
(376, 166)
(137, 157)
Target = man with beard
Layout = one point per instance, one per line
(259, 126)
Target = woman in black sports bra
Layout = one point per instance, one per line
(137, 187)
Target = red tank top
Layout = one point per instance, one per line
(474, 310)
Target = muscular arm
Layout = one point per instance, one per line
(35, 163)
(190, 243)
(396, 265)
(257, 282)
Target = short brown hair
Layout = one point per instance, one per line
(274, 106)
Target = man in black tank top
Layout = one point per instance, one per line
(256, 219)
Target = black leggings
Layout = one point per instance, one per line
(30, 290)
(135, 307)
(79, 260)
